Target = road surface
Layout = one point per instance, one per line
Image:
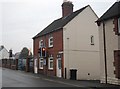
(11, 78)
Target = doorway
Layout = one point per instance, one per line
(59, 67)
(35, 66)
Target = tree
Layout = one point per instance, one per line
(25, 53)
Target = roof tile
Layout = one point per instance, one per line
(113, 11)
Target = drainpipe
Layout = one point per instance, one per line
(105, 58)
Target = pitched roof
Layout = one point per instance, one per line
(59, 23)
(113, 11)
(1, 47)
(17, 55)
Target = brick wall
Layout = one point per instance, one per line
(10, 63)
(35, 46)
(57, 47)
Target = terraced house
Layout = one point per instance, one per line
(4, 54)
(71, 43)
(109, 32)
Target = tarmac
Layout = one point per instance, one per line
(91, 84)
(83, 84)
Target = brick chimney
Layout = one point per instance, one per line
(10, 53)
(67, 8)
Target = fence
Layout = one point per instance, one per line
(10, 63)
(18, 64)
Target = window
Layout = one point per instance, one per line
(50, 63)
(50, 42)
(41, 43)
(59, 64)
(92, 40)
(41, 63)
(119, 25)
(116, 23)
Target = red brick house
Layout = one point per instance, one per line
(55, 38)
(49, 69)
(52, 38)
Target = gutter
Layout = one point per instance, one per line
(104, 39)
(105, 58)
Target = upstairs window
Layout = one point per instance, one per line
(41, 43)
(50, 42)
(50, 63)
(92, 40)
(116, 23)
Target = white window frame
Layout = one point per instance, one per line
(49, 42)
(41, 62)
(41, 43)
(119, 25)
(49, 62)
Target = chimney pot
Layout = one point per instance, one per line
(118, 0)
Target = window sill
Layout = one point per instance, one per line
(92, 44)
(50, 69)
(50, 47)
(41, 68)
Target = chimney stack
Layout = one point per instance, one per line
(10, 53)
(67, 8)
(118, 0)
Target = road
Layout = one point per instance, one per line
(11, 78)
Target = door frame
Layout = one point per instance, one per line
(36, 65)
(59, 70)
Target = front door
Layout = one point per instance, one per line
(35, 66)
(59, 67)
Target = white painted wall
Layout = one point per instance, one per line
(78, 52)
(111, 45)
(4, 54)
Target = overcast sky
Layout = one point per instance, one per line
(20, 20)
